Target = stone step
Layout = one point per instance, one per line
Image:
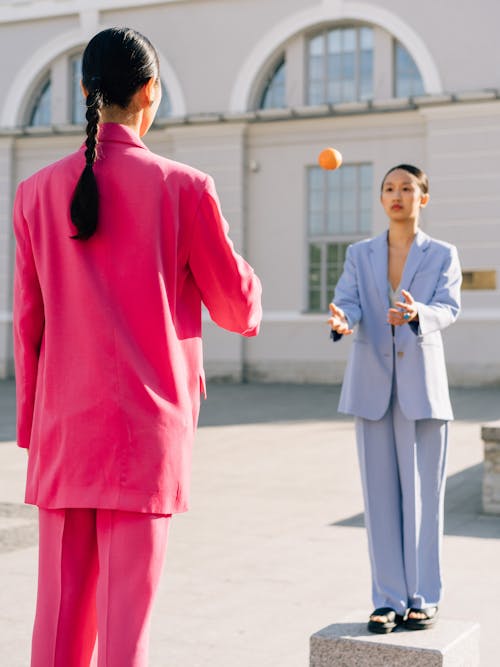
(450, 643)
(490, 434)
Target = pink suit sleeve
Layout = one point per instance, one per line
(28, 324)
(228, 285)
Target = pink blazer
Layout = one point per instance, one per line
(107, 332)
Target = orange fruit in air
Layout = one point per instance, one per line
(330, 158)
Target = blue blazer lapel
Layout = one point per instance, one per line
(417, 252)
(379, 263)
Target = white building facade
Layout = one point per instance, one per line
(253, 90)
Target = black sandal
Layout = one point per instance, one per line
(431, 616)
(384, 627)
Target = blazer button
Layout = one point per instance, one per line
(401, 354)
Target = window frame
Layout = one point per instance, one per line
(61, 70)
(326, 239)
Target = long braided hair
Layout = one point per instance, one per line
(116, 63)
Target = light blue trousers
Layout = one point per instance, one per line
(402, 465)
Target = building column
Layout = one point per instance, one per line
(463, 154)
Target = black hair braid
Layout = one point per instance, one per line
(85, 202)
(93, 115)
(115, 64)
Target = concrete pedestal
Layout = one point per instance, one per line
(449, 643)
(490, 434)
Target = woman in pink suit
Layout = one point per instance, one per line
(116, 250)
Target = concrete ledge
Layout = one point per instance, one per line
(450, 643)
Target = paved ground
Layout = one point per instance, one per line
(273, 548)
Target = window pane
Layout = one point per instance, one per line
(314, 282)
(348, 173)
(315, 300)
(78, 106)
(334, 202)
(347, 194)
(365, 200)
(408, 81)
(316, 178)
(334, 41)
(349, 219)
(335, 89)
(315, 253)
(274, 95)
(349, 40)
(366, 176)
(366, 75)
(316, 201)
(348, 67)
(343, 71)
(316, 93)
(366, 64)
(334, 67)
(335, 264)
(331, 253)
(366, 38)
(316, 68)
(165, 108)
(42, 113)
(316, 223)
(365, 221)
(315, 277)
(317, 46)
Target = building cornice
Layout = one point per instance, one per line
(426, 104)
(12, 11)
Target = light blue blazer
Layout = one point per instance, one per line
(433, 276)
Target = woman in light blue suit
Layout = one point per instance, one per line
(400, 289)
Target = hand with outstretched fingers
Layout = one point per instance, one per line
(403, 311)
(338, 321)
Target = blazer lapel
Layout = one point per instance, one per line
(379, 263)
(415, 256)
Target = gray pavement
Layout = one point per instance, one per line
(273, 547)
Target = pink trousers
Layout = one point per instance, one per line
(98, 574)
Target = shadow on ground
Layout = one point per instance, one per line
(7, 410)
(463, 515)
(264, 403)
(230, 404)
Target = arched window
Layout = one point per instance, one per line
(41, 112)
(78, 109)
(407, 79)
(340, 65)
(68, 68)
(274, 94)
